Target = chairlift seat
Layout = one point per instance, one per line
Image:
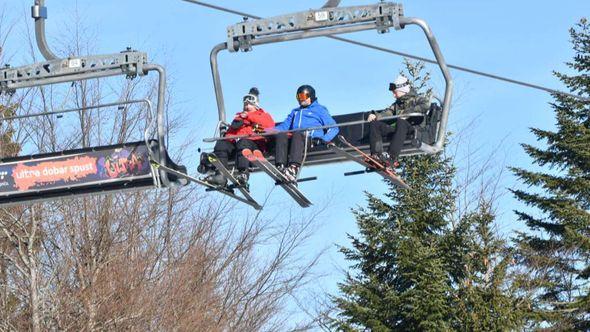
(419, 139)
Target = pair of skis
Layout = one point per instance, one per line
(226, 190)
(257, 158)
(370, 164)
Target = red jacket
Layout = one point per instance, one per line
(258, 119)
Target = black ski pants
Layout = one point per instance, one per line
(289, 150)
(395, 135)
(227, 149)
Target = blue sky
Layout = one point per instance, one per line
(524, 40)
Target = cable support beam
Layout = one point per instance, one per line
(381, 16)
(129, 63)
(411, 56)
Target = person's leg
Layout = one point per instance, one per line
(297, 148)
(242, 163)
(223, 150)
(377, 130)
(281, 149)
(397, 140)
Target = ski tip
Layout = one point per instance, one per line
(246, 152)
(258, 153)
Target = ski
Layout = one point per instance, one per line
(375, 165)
(219, 166)
(259, 160)
(224, 190)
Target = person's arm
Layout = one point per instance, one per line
(262, 119)
(328, 120)
(285, 125)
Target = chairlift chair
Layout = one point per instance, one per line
(15, 188)
(429, 129)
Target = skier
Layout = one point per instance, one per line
(289, 147)
(407, 101)
(251, 120)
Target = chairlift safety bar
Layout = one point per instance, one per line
(345, 124)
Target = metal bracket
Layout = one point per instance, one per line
(385, 15)
(38, 12)
(129, 63)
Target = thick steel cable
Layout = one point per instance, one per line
(407, 55)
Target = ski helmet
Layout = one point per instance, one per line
(304, 92)
(401, 83)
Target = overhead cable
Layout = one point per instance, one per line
(411, 56)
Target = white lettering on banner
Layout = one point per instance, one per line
(24, 174)
(81, 168)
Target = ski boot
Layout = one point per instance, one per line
(243, 177)
(216, 179)
(291, 173)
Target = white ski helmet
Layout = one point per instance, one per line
(401, 84)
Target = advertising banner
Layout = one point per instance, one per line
(118, 163)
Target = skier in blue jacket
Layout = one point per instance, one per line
(289, 147)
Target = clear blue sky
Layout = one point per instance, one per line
(521, 39)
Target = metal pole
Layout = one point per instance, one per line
(39, 13)
(217, 80)
(161, 117)
(445, 71)
(345, 124)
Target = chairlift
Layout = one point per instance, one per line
(429, 129)
(427, 136)
(71, 173)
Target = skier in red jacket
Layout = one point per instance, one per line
(250, 121)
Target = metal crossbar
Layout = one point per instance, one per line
(129, 63)
(344, 124)
(384, 16)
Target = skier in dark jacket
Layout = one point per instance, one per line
(407, 101)
(290, 147)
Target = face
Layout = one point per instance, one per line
(249, 107)
(398, 93)
(304, 99)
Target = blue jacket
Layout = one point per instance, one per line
(314, 115)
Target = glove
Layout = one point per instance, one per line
(317, 141)
(236, 124)
(372, 117)
(257, 128)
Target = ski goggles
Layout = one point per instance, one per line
(302, 96)
(250, 99)
(393, 86)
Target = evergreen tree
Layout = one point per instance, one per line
(556, 250)
(479, 265)
(415, 269)
(401, 282)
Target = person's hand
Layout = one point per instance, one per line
(236, 124)
(371, 117)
